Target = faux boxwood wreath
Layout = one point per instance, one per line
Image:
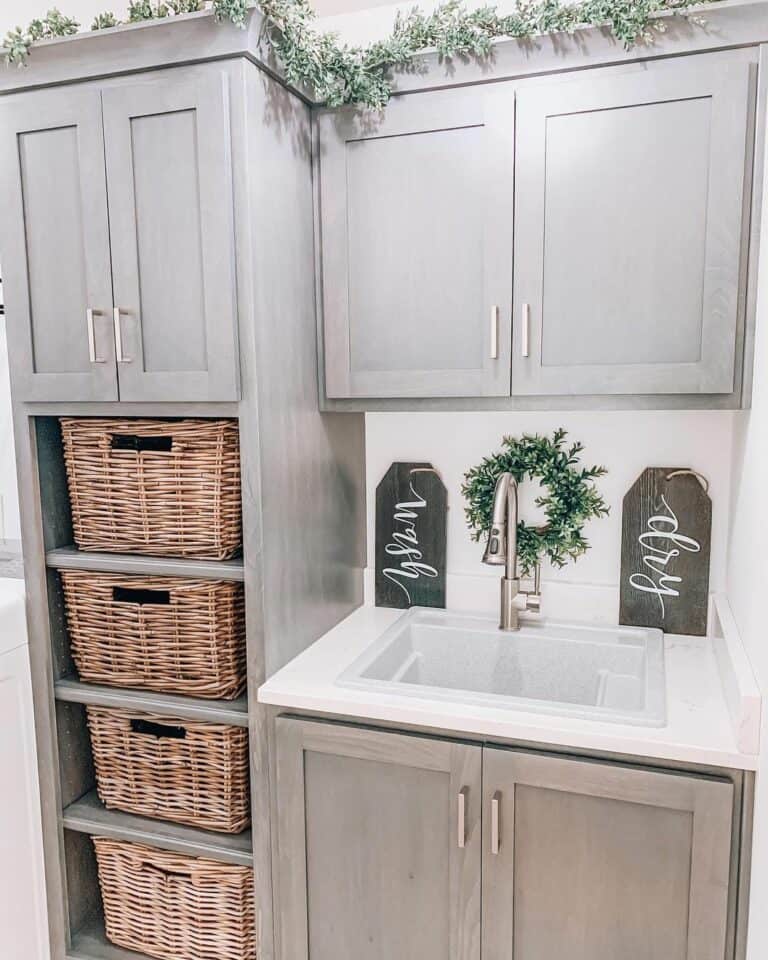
(571, 497)
(340, 73)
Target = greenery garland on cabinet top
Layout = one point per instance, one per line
(339, 73)
(570, 497)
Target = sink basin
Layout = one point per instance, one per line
(590, 672)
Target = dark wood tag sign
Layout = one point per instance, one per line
(665, 544)
(411, 505)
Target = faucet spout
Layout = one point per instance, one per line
(501, 548)
(510, 567)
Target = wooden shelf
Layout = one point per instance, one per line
(89, 815)
(70, 558)
(91, 943)
(234, 712)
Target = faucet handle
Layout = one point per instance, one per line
(532, 598)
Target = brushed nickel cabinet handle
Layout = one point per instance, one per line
(461, 823)
(121, 358)
(494, 332)
(495, 835)
(525, 343)
(89, 315)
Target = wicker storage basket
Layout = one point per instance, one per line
(165, 488)
(158, 633)
(174, 907)
(181, 770)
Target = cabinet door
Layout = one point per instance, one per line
(416, 220)
(628, 230)
(379, 845)
(171, 226)
(55, 246)
(600, 862)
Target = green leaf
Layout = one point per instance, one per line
(569, 499)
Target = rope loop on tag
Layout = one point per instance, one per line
(690, 473)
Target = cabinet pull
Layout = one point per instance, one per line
(121, 358)
(495, 836)
(89, 315)
(462, 818)
(494, 332)
(526, 338)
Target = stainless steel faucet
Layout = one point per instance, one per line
(502, 548)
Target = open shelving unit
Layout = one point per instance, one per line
(72, 690)
(89, 815)
(90, 943)
(81, 814)
(70, 558)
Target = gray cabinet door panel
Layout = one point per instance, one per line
(416, 220)
(171, 224)
(628, 230)
(55, 246)
(370, 865)
(600, 862)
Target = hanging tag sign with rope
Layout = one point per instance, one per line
(665, 546)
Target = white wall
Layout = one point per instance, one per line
(747, 580)
(624, 441)
(364, 22)
(19, 12)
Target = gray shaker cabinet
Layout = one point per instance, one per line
(596, 861)
(169, 185)
(580, 859)
(55, 246)
(416, 211)
(620, 265)
(118, 239)
(628, 229)
(379, 845)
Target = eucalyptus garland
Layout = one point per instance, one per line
(571, 497)
(339, 73)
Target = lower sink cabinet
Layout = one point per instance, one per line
(392, 845)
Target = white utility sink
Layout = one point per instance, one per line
(593, 673)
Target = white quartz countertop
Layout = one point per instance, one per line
(703, 725)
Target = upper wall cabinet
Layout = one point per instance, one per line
(170, 212)
(622, 259)
(416, 230)
(120, 282)
(628, 230)
(55, 246)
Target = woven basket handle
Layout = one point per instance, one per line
(165, 871)
(137, 444)
(130, 595)
(151, 729)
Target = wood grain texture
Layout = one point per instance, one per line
(369, 863)
(233, 712)
(303, 472)
(169, 180)
(411, 519)
(679, 330)
(665, 575)
(88, 815)
(409, 281)
(598, 862)
(70, 558)
(54, 239)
